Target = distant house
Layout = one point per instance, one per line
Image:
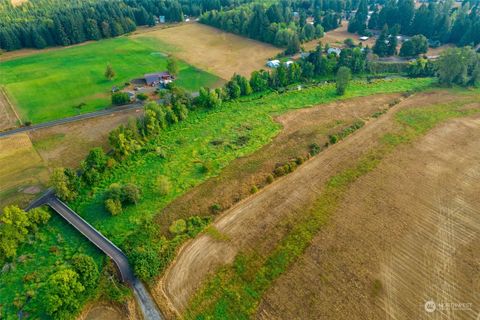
(288, 63)
(273, 63)
(155, 79)
(336, 51)
(364, 38)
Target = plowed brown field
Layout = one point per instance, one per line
(389, 248)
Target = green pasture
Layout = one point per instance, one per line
(65, 82)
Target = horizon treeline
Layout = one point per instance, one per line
(440, 22)
(284, 23)
(44, 23)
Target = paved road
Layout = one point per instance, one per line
(79, 117)
(147, 305)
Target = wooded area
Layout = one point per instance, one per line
(43, 23)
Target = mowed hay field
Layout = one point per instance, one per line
(213, 50)
(322, 243)
(22, 171)
(8, 119)
(69, 81)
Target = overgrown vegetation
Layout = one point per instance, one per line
(236, 290)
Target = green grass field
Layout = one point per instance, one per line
(189, 150)
(52, 84)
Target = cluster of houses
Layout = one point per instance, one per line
(148, 84)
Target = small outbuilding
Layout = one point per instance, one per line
(273, 63)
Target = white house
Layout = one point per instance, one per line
(364, 38)
(288, 63)
(273, 63)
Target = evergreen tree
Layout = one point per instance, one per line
(109, 72)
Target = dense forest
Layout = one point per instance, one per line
(284, 24)
(43, 23)
(440, 22)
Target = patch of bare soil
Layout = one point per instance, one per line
(407, 233)
(261, 220)
(102, 310)
(213, 50)
(68, 144)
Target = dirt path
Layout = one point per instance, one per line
(259, 221)
(406, 234)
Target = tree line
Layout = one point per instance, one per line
(283, 24)
(439, 22)
(39, 24)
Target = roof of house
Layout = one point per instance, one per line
(152, 77)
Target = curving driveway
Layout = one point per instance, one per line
(147, 305)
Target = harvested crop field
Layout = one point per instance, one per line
(213, 50)
(352, 269)
(22, 171)
(301, 128)
(407, 233)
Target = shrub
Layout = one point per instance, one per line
(270, 178)
(254, 189)
(162, 185)
(119, 98)
(216, 208)
(333, 138)
(142, 96)
(87, 270)
(178, 227)
(279, 171)
(314, 149)
(114, 192)
(130, 193)
(114, 206)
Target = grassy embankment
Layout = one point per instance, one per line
(191, 158)
(236, 290)
(54, 84)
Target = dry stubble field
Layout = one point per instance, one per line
(213, 50)
(404, 234)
